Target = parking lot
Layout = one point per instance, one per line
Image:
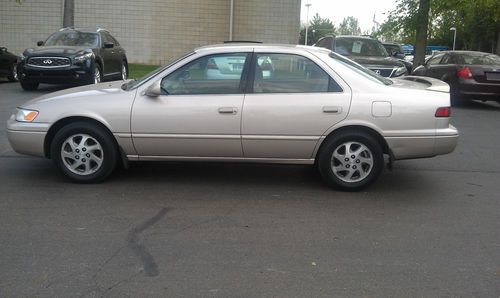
(427, 228)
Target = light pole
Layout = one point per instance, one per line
(307, 21)
(454, 36)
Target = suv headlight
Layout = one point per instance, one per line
(400, 71)
(86, 56)
(25, 115)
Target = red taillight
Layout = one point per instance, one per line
(443, 112)
(464, 73)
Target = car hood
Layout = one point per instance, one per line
(377, 61)
(79, 93)
(54, 50)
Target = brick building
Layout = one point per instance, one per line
(154, 31)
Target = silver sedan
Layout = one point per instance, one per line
(280, 104)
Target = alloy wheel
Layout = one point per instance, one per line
(124, 72)
(352, 162)
(97, 76)
(82, 154)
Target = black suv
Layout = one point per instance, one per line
(366, 51)
(73, 56)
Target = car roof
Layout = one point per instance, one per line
(243, 46)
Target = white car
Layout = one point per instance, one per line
(312, 106)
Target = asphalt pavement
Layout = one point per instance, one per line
(428, 228)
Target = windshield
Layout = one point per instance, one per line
(137, 82)
(359, 47)
(72, 38)
(393, 48)
(360, 69)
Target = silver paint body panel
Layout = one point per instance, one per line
(275, 128)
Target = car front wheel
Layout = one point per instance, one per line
(84, 152)
(350, 160)
(13, 73)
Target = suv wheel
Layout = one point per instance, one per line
(13, 77)
(351, 161)
(124, 71)
(29, 86)
(84, 152)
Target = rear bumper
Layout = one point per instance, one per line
(408, 147)
(27, 138)
(476, 90)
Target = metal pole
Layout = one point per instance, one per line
(454, 38)
(307, 21)
(231, 19)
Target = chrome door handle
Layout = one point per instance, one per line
(228, 110)
(333, 110)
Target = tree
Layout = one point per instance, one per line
(349, 26)
(421, 32)
(318, 27)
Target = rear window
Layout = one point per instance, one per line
(478, 59)
(360, 69)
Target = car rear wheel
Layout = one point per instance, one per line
(13, 77)
(84, 152)
(350, 161)
(29, 86)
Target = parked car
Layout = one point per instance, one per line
(396, 50)
(8, 64)
(73, 56)
(471, 75)
(367, 51)
(317, 107)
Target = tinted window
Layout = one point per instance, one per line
(106, 37)
(283, 73)
(479, 59)
(325, 42)
(72, 38)
(359, 47)
(213, 74)
(435, 60)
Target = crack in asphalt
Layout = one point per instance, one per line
(149, 264)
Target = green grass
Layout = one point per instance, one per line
(137, 71)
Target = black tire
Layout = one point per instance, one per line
(13, 77)
(29, 86)
(363, 173)
(97, 70)
(124, 76)
(90, 172)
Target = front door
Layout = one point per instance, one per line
(198, 113)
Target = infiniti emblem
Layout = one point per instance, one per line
(48, 61)
(376, 71)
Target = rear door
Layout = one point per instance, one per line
(291, 102)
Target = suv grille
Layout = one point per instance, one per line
(385, 72)
(49, 62)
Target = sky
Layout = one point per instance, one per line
(337, 10)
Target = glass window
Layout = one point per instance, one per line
(326, 42)
(435, 60)
(72, 38)
(213, 74)
(284, 73)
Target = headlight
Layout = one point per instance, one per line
(84, 57)
(24, 115)
(400, 71)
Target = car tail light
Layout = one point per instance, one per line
(464, 73)
(443, 112)
(211, 64)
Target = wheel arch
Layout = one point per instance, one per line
(54, 128)
(355, 129)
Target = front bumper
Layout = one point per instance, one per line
(75, 73)
(27, 137)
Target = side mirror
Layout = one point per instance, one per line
(39, 43)
(154, 90)
(108, 45)
(3, 50)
